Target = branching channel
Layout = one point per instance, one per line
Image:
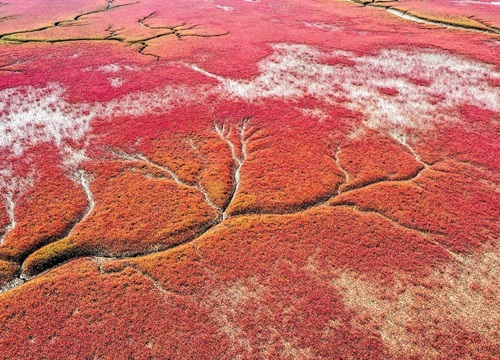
(143, 159)
(83, 179)
(236, 138)
(344, 188)
(336, 159)
(424, 233)
(403, 140)
(238, 160)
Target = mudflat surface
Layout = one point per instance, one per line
(249, 179)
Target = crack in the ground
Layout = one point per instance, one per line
(142, 49)
(83, 179)
(178, 31)
(143, 159)
(158, 286)
(238, 160)
(423, 232)
(409, 178)
(175, 29)
(55, 41)
(352, 205)
(349, 189)
(61, 22)
(336, 160)
(407, 15)
(403, 140)
(239, 156)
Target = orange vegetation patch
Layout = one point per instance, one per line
(8, 271)
(205, 160)
(139, 208)
(79, 319)
(456, 206)
(345, 237)
(49, 207)
(285, 170)
(248, 179)
(373, 158)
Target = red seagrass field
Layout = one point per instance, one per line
(249, 179)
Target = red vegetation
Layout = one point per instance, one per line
(286, 169)
(456, 207)
(139, 209)
(46, 210)
(388, 91)
(8, 271)
(4, 220)
(79, 319)
(475, 142)
(373, 158)
(185, 192)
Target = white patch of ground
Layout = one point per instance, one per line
(73, 157)
(112, 68)
(323, 26)
(158, 101)
(109, 68)
(225, 8)
(295, 71)
(132, 67)
(29, 116)
(318, 114)
(229, 305)
(466, 294)
(116, 82)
